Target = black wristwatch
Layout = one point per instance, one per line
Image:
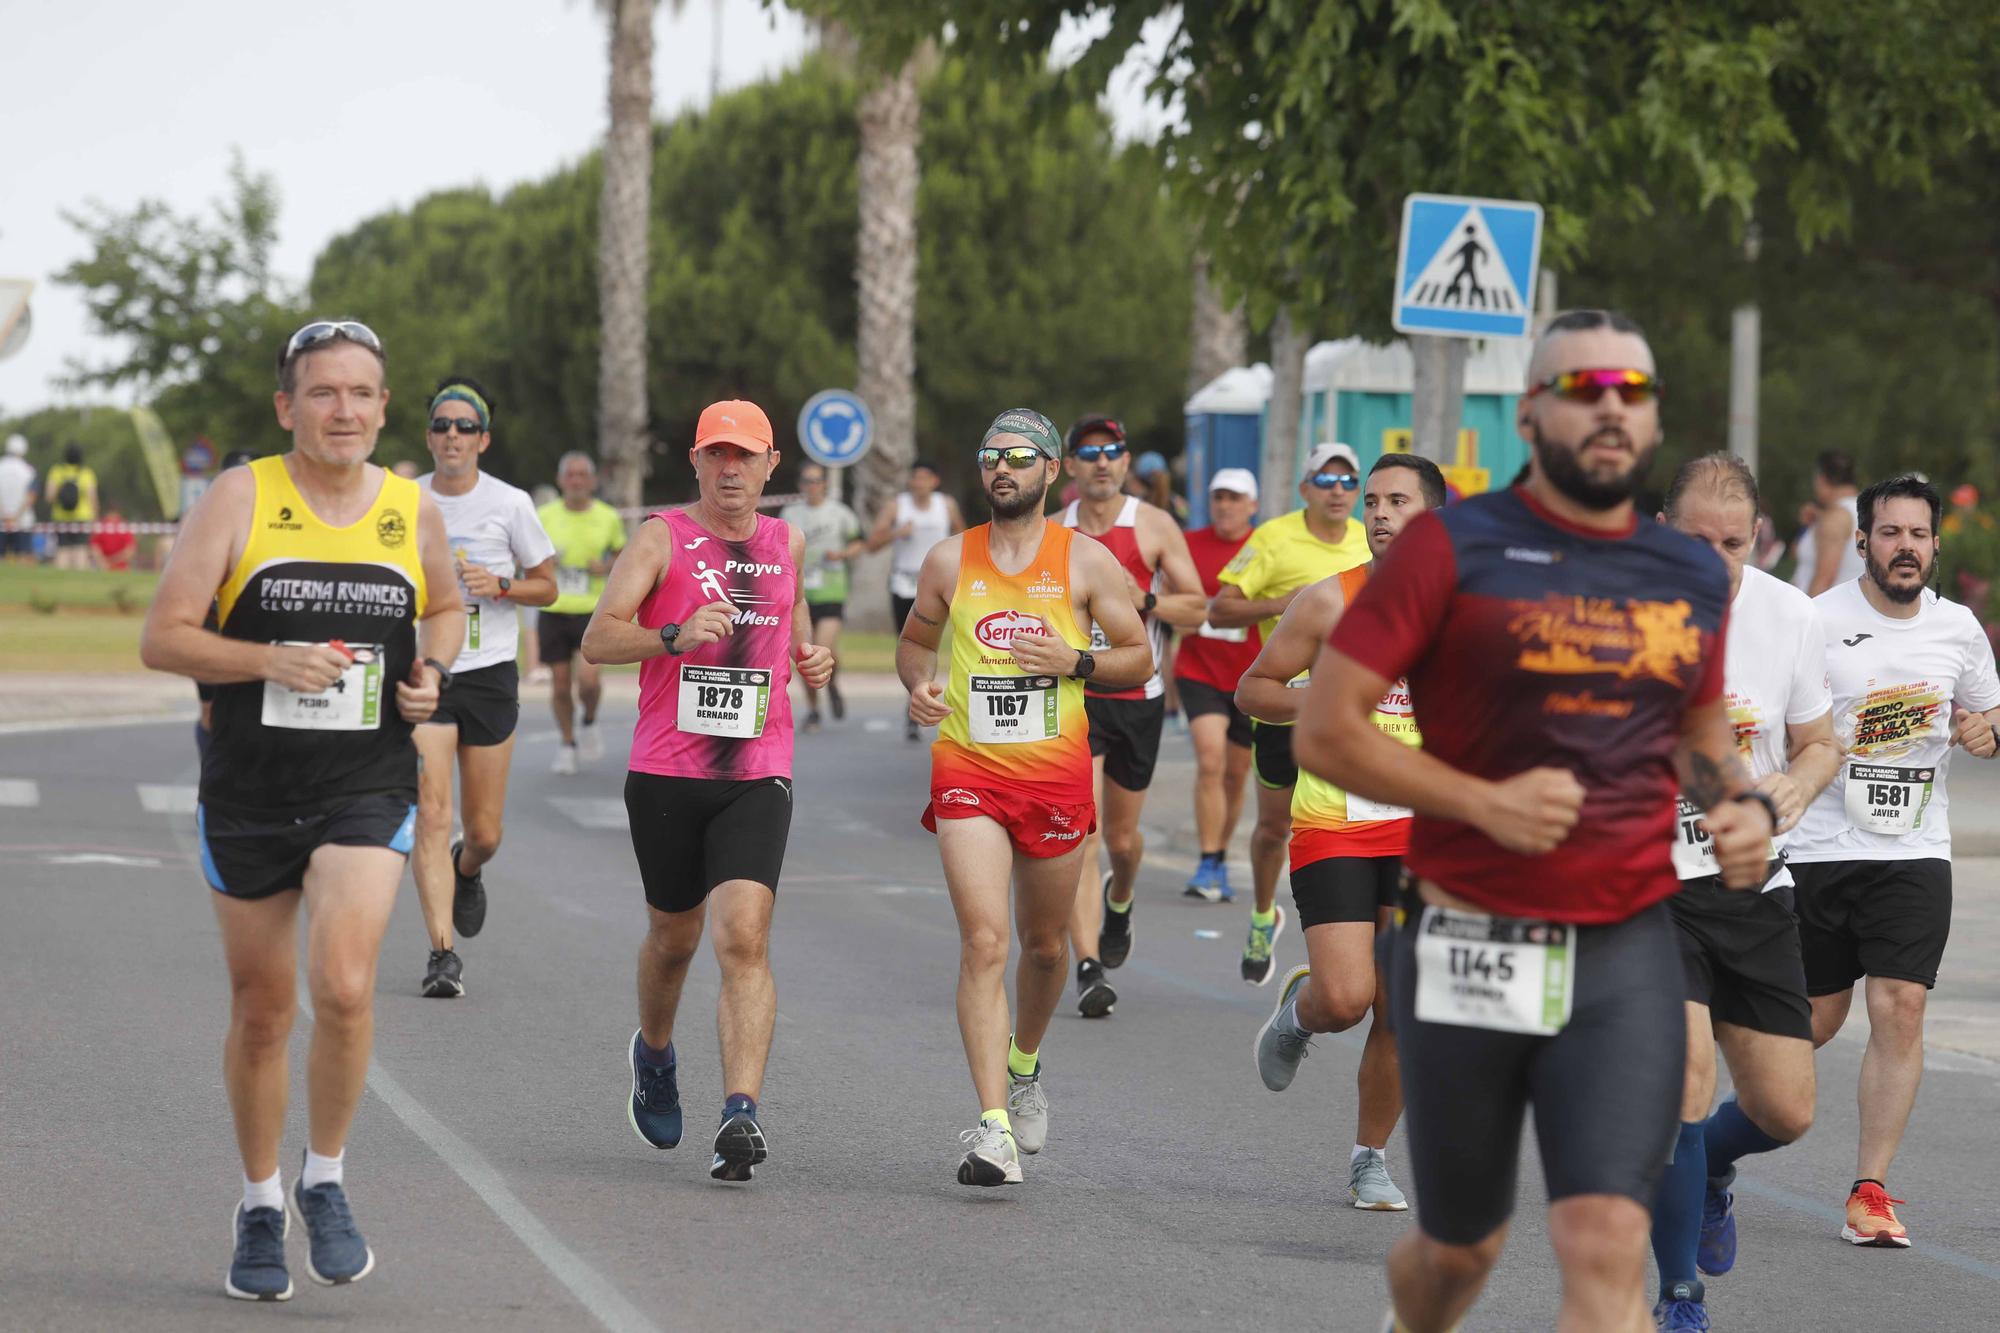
(506, 586)
(669, 636)
(1763, 799)
(1085, 664)
(1152, 600)
(444, 672)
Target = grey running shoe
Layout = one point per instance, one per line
(1028, 1108)
(1114, 937)
(335, 1252)
(1094, 996)
(1281, 1043)
(257, 1269)
(990, 1158)
(444, 979)
(1258, 964)
(1368, 1181)
(739, 1145)
(468, 897)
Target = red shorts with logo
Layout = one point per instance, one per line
(1038, 827)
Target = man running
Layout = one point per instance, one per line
(503, 560)
(1346, 852)
(1565, 659)
(1833, 556)
(1281, 559)
(587, 534)
(1124, 723)
(707, 601)
(833, 537)
(1010, 770)
(321, 567)
(1210, 663)
(1746, 983)
(1912, 676)
(912, 523)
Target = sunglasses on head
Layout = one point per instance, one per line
(1018, 457)
(323, 331)
(1587, 386)
(1326, 481)
(463, 425)
(1090, 453)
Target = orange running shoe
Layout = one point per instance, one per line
(1871, 1220)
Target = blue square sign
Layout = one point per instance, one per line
(1466, 267)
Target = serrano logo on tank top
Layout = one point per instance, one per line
(1046, 587)
(997, 631)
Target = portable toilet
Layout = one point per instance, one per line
(1225, 427)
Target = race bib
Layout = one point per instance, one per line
(1694, 850)
(352, 703)
(724, 701)
(1098, 642)
(1241, 634)
(1888, 800)
(812, 580)
(1361, 808)
(1500, 973)
(472, 627)
(1012, 710)
(571, 580)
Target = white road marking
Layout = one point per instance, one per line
(167, 798)
(20, 793)
(102, 859)
(95, 723)
(592, 812)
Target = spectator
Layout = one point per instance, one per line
(406, 469)
(17, 503)
(912, 523)
(1157, 485)
(72, 496)
(114, 542)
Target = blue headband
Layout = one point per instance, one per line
(460, 394)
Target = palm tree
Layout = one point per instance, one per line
(1221, 334)
(622, 435)
(885, 273)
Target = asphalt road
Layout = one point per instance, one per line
(494, 1173)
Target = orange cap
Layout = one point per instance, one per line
(734, 421)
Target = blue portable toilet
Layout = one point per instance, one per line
(1358, 392)
(1225, 428)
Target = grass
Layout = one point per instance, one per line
(80, 589)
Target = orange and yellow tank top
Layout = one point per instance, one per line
(1007, 727)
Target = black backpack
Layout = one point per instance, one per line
(68, 497)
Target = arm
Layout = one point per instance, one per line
(1096, 573)
(613, 635)
(815, 661)
(1815, 758)
(1232, 610)
(441, 631)
(1183, 604)
(1264, 692)
(957, 519)
(916, 647)
(533, 587)
(884, 531)
(1713, 779)
(1833, 536)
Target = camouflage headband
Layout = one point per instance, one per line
(1031, 426)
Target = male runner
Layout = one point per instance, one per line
(833, 537)
(503, 560)
(1912, 676)
(1209, 664)
(707, 601)
(1564, 658)
(587, 533)
(320, 566)
(1010, 770)
(1124, 723)
(1746, 983)
(1835, 554)
(1283, 557)
(911, 524)
(1347, 852)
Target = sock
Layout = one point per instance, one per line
(1677, 1207)
(1867, 1180)
(1020, 1063)
(1258, 918)
(1118, 907)
(739, 1103)
(1730, 1134)
(1360, 1150)
(999, 1118)
(1211, 858)
(264, 1193)
(660, 1059)
(322, 1170)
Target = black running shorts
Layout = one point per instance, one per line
(559, 636)
(1606, 1090)
(1127, 733)
(1272, 746)
(1199, 699)
(831, 611)
(255, 854)
(1740, 954)
(899, 609)
(1872, 919)
(484, 704)
(1345, 888)
(691, 834)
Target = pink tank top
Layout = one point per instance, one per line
(722, 710)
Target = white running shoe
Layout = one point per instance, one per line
(990, 1158)
(589, 743)
(565, 764)
(1028, 1109)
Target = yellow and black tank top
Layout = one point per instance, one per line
(301, 580)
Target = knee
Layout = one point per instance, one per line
(1341, 1006)
(482, 838)
(1124, 844)
(982, 949)
(1788, 1121)
(1900, 1010)
(434, 805)
(1601, 1240)
(262, 1016)
(342, 995)
(1208, 766)
(1274, 827)
(1048, 950)
(739, 951)
(1459, 1266)
(671, 945)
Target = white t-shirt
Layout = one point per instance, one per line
(17, 476)
(1895, 684)
(928, 528)
(493, 525)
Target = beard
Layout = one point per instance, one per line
(1026, 499)
(1898, 593)
(1565, 471)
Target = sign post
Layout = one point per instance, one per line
(835, 430)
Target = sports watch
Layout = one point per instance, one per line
(669, 636)
(444, 672)
(1085, 664)
(506, 586)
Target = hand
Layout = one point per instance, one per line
(306, 668)
(417, 698)
(1785, 794)
(1532, 812)
(600, 567)
(480, 581)
(710, 624)
(815, 665)
(1043, 654)
(1285, 601)
(903, 530)
(1974, 731)
(1741, 832)
(927, 705)
(1135, 592)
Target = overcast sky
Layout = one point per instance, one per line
(354, 107)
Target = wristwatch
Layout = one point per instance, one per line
(1763, 799)
(444, 672)
(1085, 664)
(669, 635)
(1152, 600)
(506, 586)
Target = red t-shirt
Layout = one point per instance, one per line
(114, 546)
(1211, 656)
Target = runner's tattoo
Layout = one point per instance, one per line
(926, 619)
(1706, 781)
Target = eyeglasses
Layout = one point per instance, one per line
(1326, 481)
(321, 332)
(1020, 457)
(463, 425)
(1587, 386)
(1090, 453)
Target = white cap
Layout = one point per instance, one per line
(17, 446)
(1323, 454)
(1240, 480)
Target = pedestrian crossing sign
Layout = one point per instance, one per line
(1466, 267)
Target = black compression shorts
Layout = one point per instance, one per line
(484, 704)
(691, 834)
(1273, 746)
(1127, 733)
(559, 636)
(1740, 955)
(1345, 888)
(1199, 699)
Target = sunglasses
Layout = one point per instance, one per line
(321, 332)
(463, 425)
(1090, 453)
(1326, 481)
(1587, 386)
(1019, 457)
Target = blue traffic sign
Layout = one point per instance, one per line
(1466, 267)
(835, 427)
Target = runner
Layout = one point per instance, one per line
(503, 560)
(1010, 771)
(915, 521)
(707, 601)
(1347, 852)
(1210, 663)
(587, 534)
(1912, 676)
(1835, 555)
(833, 537)
(1746, 984)
(1124, 723)
(1564, 659)
(322, 566)
(1280, 560)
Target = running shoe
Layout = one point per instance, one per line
(468, 897)
(1871, 1220)
(910, 732)
(1114, 938)
(739, 1144)
(565, 761)
(1028, 1109)
(812, 722)
(444, 979)
(1222, 884)
(1201, 884)
(1281, 1043)
(655, 1105)
(589, 742)
(1258, 964)
(1681, 1307)
(335, 1252)
(257, 1270)
(834, 698)
(1094, 996)
(1715, 1252)
(1368, 1184)
(990, 1156)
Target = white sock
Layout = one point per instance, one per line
(264, 1193)
(321, 1170)
(1360, 1151)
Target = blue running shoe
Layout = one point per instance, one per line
(1715, 1252)
(335, 1252)
(1223, 891)
(739, 1144)
(1201, 884)
(655, 1105)
(257, 1270)
(1680, 1308)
